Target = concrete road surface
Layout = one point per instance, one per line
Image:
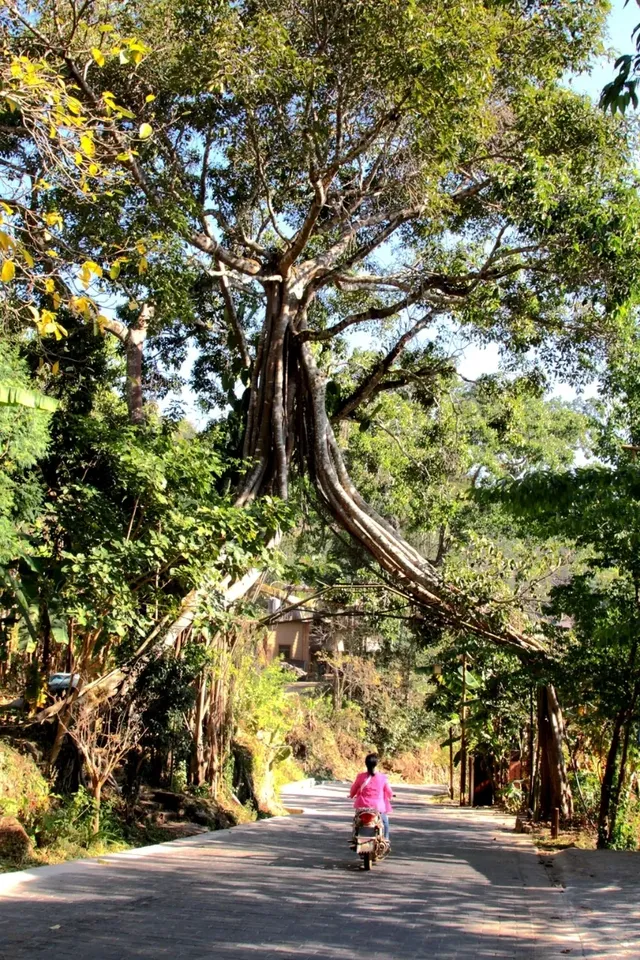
(458, 884)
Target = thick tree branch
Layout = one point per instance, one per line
(232, 318)
(373, 313)
(366, 389)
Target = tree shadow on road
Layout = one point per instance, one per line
(291, 888)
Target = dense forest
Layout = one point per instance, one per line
(246, 252)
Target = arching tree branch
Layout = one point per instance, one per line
(366, 389)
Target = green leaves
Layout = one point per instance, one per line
(18, 397)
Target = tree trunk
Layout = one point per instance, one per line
(606, 789)
(554, 785)
(622, 772)
(287, 412)
(287, 423)
(197, 756)
(97, 799)
(463, 735)
(134, 348)
(46, 646)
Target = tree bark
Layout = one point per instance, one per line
(606, 789)
(133, 339)
(463, 735)
(134, 349)
(96, 789)
(554, 785)
(622, 773)
(197, 756)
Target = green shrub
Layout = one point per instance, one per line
(69, 823)
(512, 796)
(626, 833)
(24, 792)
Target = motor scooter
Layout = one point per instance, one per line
(368, 837)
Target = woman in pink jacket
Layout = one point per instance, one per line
(372, 790)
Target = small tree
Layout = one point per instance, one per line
(103, 738)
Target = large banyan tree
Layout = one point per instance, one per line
(297, 173)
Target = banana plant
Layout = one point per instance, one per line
(17, 397)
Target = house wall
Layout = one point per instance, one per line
(292, 633)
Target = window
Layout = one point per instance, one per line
(284, 651)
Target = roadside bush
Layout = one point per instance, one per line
(263, 730)
(585, 787)
(24, 792)
(68, 826)
(626, 835)
(328, 744)
(428, 763)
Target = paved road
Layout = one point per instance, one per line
(459, 884)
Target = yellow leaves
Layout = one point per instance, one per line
(98, 56)
(6, 242)
(81, 305)
(53, 219)
(74, 106)
(140, 247)
(113, 107)
(30, 262)
(106, 28)
(55, 368)
(87, 145)
(116, 267)
(143, 265)
(6, 207)
(8, 271)
(128, 49)
(50, 285)
(46, 323)
(150, 98)
(94, 169)
(145, 131)
(88, 270)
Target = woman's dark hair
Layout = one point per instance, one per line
(371, 762)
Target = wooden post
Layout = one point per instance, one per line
(451, 762)
(471, 779)
(555, 823)
(463, 734)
